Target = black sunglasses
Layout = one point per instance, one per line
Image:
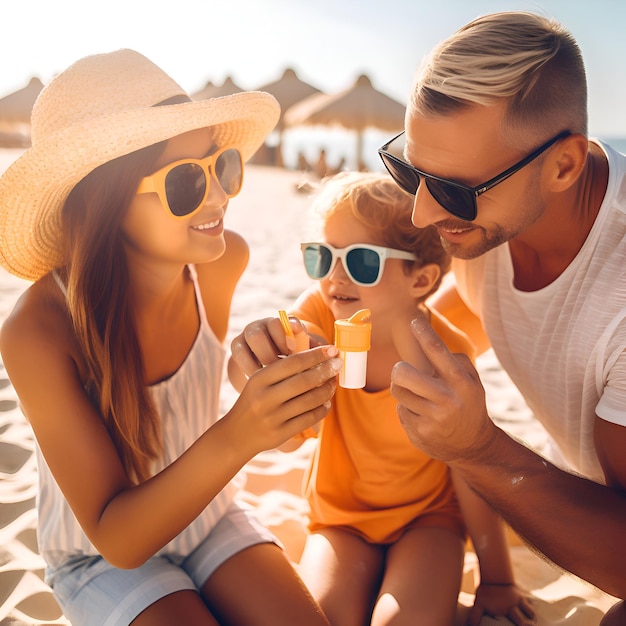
(183, 186)
(456, 198)
(364, 263)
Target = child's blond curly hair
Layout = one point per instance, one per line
(376, 201)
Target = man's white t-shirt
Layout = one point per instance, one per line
(564, 346)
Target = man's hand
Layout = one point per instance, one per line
(442, 411)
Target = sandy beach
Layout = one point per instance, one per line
(270, 213)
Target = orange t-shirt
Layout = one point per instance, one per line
(365, 474)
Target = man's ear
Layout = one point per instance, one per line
(568, 161)
(424, 278)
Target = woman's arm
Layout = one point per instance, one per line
(128, 523)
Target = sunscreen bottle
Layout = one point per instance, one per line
(352, 338)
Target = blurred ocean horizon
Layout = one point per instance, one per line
(338, 143)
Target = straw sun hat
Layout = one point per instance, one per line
(101, 108)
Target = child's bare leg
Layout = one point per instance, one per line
(260, 587)
(422, 579)
(181, 607)
(343, 572)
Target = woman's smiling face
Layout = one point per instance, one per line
(149, 228)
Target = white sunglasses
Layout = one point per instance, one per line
(364, 263)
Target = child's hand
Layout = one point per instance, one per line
(284, 398)
(263, 341)
(502, 601)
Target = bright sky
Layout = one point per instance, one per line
(328, 42)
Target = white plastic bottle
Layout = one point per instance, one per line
(352, 338)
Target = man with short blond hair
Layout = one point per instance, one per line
(534, 213)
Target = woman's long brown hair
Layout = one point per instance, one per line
(100, 307)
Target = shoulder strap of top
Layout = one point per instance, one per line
(193, 274)
(194, 279)
(59, 282)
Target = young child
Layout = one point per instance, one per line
(117, 215)
(387, 533)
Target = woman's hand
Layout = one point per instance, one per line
(285, 397)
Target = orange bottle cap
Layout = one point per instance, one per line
(353, 334)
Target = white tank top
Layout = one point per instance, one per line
(564, 346)
(188, 404)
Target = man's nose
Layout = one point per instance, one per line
(426, 210)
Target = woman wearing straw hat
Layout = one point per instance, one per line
(116, 213)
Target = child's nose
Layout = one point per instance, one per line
(338, 274)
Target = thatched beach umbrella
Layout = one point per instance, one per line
(357, 108)
(15, 110)
(17, 106)
(288, 90)
(227, 88)
(203, 93)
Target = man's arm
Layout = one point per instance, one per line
(576, 523)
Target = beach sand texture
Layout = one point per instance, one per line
(270, 213)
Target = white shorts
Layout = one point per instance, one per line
(93, 593)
